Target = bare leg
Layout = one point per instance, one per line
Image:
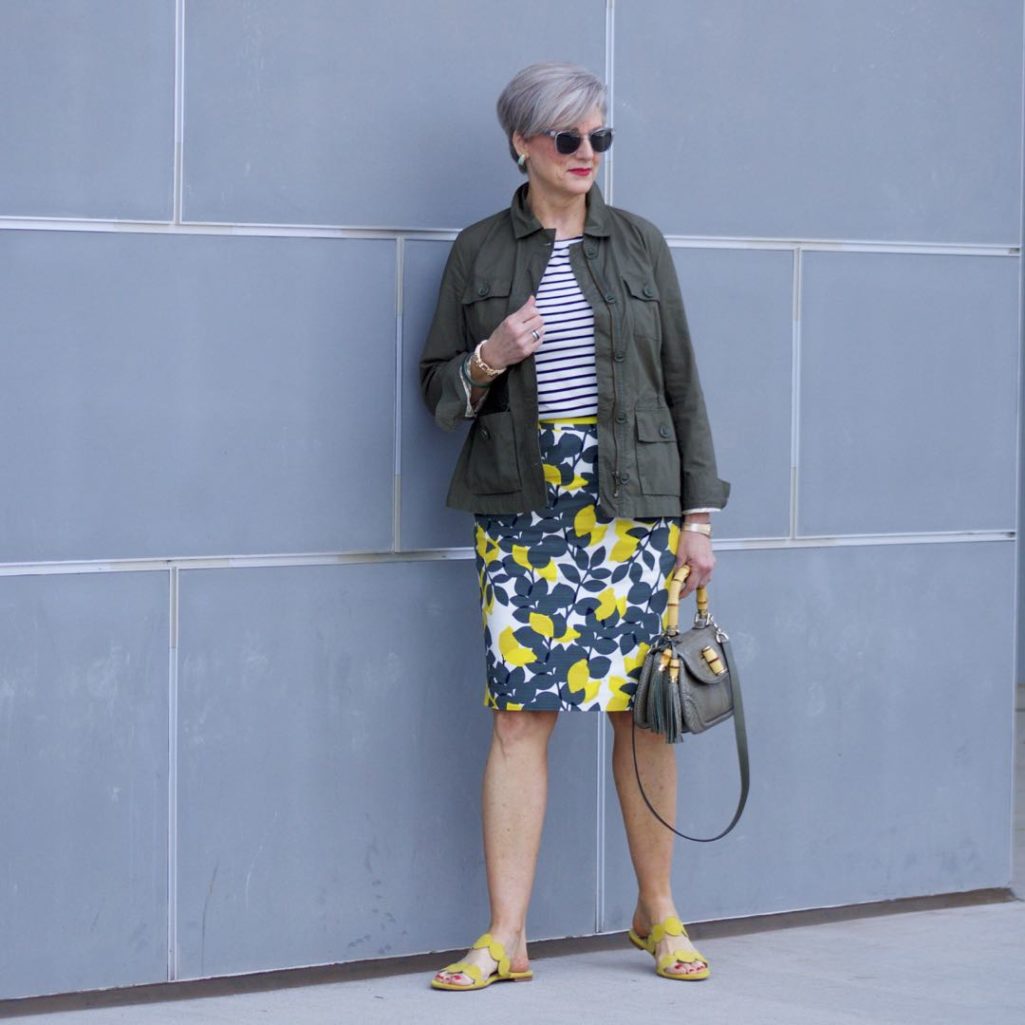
(651, 844)
(514, 797)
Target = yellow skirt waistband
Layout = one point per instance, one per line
(568, 420)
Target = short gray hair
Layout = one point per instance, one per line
(545, 96)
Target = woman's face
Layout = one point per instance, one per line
(562, 176)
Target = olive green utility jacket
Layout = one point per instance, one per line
(655, 455)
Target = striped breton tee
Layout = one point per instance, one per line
(566, 381)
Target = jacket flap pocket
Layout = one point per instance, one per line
(642, 288)
(479, 288)
(655, 425)
(492, 465)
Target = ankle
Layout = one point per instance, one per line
(656, 908)
(508, 935)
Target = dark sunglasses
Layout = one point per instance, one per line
(569, 142)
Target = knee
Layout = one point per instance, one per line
(513, 730)
(623, 727)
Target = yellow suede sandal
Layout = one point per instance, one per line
(672, 926)
(501, 974)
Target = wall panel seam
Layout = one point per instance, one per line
(172, 779)
(213, 562)
(795, 390)
(601, 784)
(845, 245)
(1019, 478)
(400, 270)
(179, 110)
(610, 92)
(601, 770)
(142, 227)
(270, 230)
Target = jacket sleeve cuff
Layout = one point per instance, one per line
(472, 408)
(706, 494)
(452, 400)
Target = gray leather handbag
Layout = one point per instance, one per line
(688, 683)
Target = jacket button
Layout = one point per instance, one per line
(610, 298)
(648, 291)
(664, 432)
(624, 478)
(485, 433)
(621, 418)
(590, 252)
(483, 290)
(619, 357)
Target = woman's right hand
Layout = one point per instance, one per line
(514, 339)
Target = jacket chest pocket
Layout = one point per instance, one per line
(485, 305)
(643, 303)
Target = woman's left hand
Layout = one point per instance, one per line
(695, 550)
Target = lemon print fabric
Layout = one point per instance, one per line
(570, 598)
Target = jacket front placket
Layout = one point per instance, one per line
(533, 252)
(590, 270)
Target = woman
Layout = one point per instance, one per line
(560, 333)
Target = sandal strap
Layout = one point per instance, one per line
(683, 957)
(462, 968)
(496, 952)
(671, 926)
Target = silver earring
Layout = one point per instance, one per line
(522, 162)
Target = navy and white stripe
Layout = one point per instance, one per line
(566, 381)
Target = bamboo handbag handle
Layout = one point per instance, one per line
(676, 582)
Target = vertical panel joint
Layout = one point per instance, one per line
(795, 390)
(610, 53)
(179, 93)
(172, 780)
(400, 270)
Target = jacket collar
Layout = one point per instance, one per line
(525, 223)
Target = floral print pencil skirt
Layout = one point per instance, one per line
(571, 599)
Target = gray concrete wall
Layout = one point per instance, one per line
(240, 666)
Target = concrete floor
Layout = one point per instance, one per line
(947, 965)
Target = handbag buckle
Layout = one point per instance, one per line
(701, 620)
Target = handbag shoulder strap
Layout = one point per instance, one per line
(740, 732)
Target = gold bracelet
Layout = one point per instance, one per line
(699, 528)
(478, 363)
